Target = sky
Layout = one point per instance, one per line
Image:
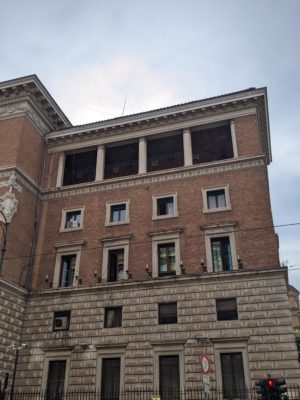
(95, 57)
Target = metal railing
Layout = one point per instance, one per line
(293, 393)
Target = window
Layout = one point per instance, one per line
(67, 270)
(169, 378)
(226, 309)
(220, 247)
(221, 254)
(121, 160)
(216, 199)
(165, 253)
(167, 313)
(67, 264)
(113, 317)
(117, 213)
(115, 265)
(164, 153)
(166, 259)
(55, 379)
(115, 258)
(165, 206)
(72, 219)
(233, 377)
(110, 378)
(61, 320)
(80, 167)
(212, 143)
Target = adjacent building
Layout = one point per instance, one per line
(137, 244)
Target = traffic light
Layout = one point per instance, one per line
(281, 388)
(271, 389)
(261, 389)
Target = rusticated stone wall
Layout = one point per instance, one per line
(263, 331)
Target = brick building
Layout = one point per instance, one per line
(137, 244)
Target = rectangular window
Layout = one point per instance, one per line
(67, 270)
(165, 153)
(226, 309)
(216, 199)
(221, 254)
(56, 379)
(166, 259)
(121, 160)
(118, 213)
(80, 167)
(212, 144)
(115, 265)
(169, 378)
(165, 206)
(167, 313)
(73, 219)
(113, 317)
(233, 377)
(110, 378)
(61, 320)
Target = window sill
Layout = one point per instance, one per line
(71, 229)
(213, 210)
(116, 223)
(159, 217)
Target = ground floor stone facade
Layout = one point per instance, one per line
(261, 334)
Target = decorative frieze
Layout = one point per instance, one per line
(161, 176)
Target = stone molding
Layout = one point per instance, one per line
(160, 176)
(14, 174)
(208, 279)
(8, 205)
(71, 139)
(25, 106)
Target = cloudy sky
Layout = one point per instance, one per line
(92, 55)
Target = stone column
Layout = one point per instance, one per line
(233, 139)
(142, 155)
(60, 171)
(100, 163)
(187, 147)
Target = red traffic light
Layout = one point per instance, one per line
(270, 383)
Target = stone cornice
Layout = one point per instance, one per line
(159, 176)
(150, 283)
(142, 129)
(25, 106)
(15, 174)
(246, 98)
(31, 86)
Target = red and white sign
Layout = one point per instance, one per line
(205, 364)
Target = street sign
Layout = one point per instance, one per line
(205, 364)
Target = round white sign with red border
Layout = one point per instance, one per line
(205, 364)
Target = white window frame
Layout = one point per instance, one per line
(110, 353)
(155, 216)
(168, 350)
(231, 347)
(64, 217)
(109, 205)
(211, 233)
(65, 250)
(114, 244)
(165, 238)
(56, 356)
(211, 189)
